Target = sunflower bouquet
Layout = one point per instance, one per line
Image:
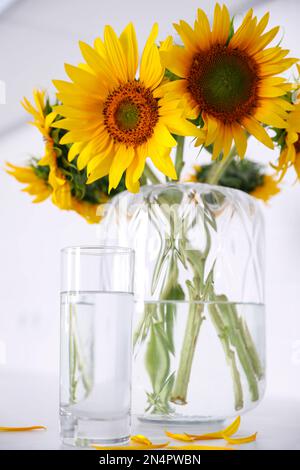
(110, 126)
(120, 122)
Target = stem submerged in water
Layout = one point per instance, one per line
(76, 359)
(229, 353)
(236, 338)
(195, 319)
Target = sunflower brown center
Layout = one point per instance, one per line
(130, 114)
(224, 83)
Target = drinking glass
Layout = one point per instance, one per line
(96, 337)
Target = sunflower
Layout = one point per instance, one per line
(45, 177)
(44, 122)
(115, 121)
(36, 186)
(290, 153)
(267, 189)
(40, 188)
(245, 175)
(227, 79)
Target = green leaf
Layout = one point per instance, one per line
(167, 389)
(157, 359)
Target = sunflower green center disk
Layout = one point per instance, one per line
(223, 82)
(127, 116)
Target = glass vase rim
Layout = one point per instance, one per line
(218, 187)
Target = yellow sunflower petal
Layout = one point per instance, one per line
(166, 44)
(240, 440)
(74, 150)
(240, 139)
(141, 155)
(243, 31)
(99, 65)
(264, 40)
(121, 161)
(85, 80)
(199, 447)
(187, 35)
(163, 162)
(77, 113)
(129, 44)
(263, 23)
(85, 155)
(179, 126)
(254, 128)
(100, 171)
(228, 431)
(140, 439)
(42, 196)
(115, 54)
(176, 60)
(131, 185)
(70, 124)
(221, 25)
(163, 135)
(202, 30)
(22, 174)
(151, 69)
(275, 68)
(227, 140)
(80, 135)
(21, 429)
(219, 142)
(180, 437)
(268, 117)
(266, 91)
(211, 126)
(129, 447)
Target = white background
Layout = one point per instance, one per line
(36, 37)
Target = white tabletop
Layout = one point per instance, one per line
(33, 400)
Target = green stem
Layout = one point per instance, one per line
(179, 162)
(237, 341)
(246, 337)
(72, 359)
(254, 357)
(229, 354)
(76, 359)
(219, 168)
(149, 174)
(195, 319)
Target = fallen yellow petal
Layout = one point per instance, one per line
(140, 439)
(27, 428)
(159, 446)
(233, 427)
(198, 447)
(240, 440)
(181, 437)
(229, 431)
(138, 447)
(143, 440)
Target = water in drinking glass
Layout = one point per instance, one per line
(95, 367)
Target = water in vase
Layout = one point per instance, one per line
(197, 361)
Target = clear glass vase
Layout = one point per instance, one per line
(199, 335)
